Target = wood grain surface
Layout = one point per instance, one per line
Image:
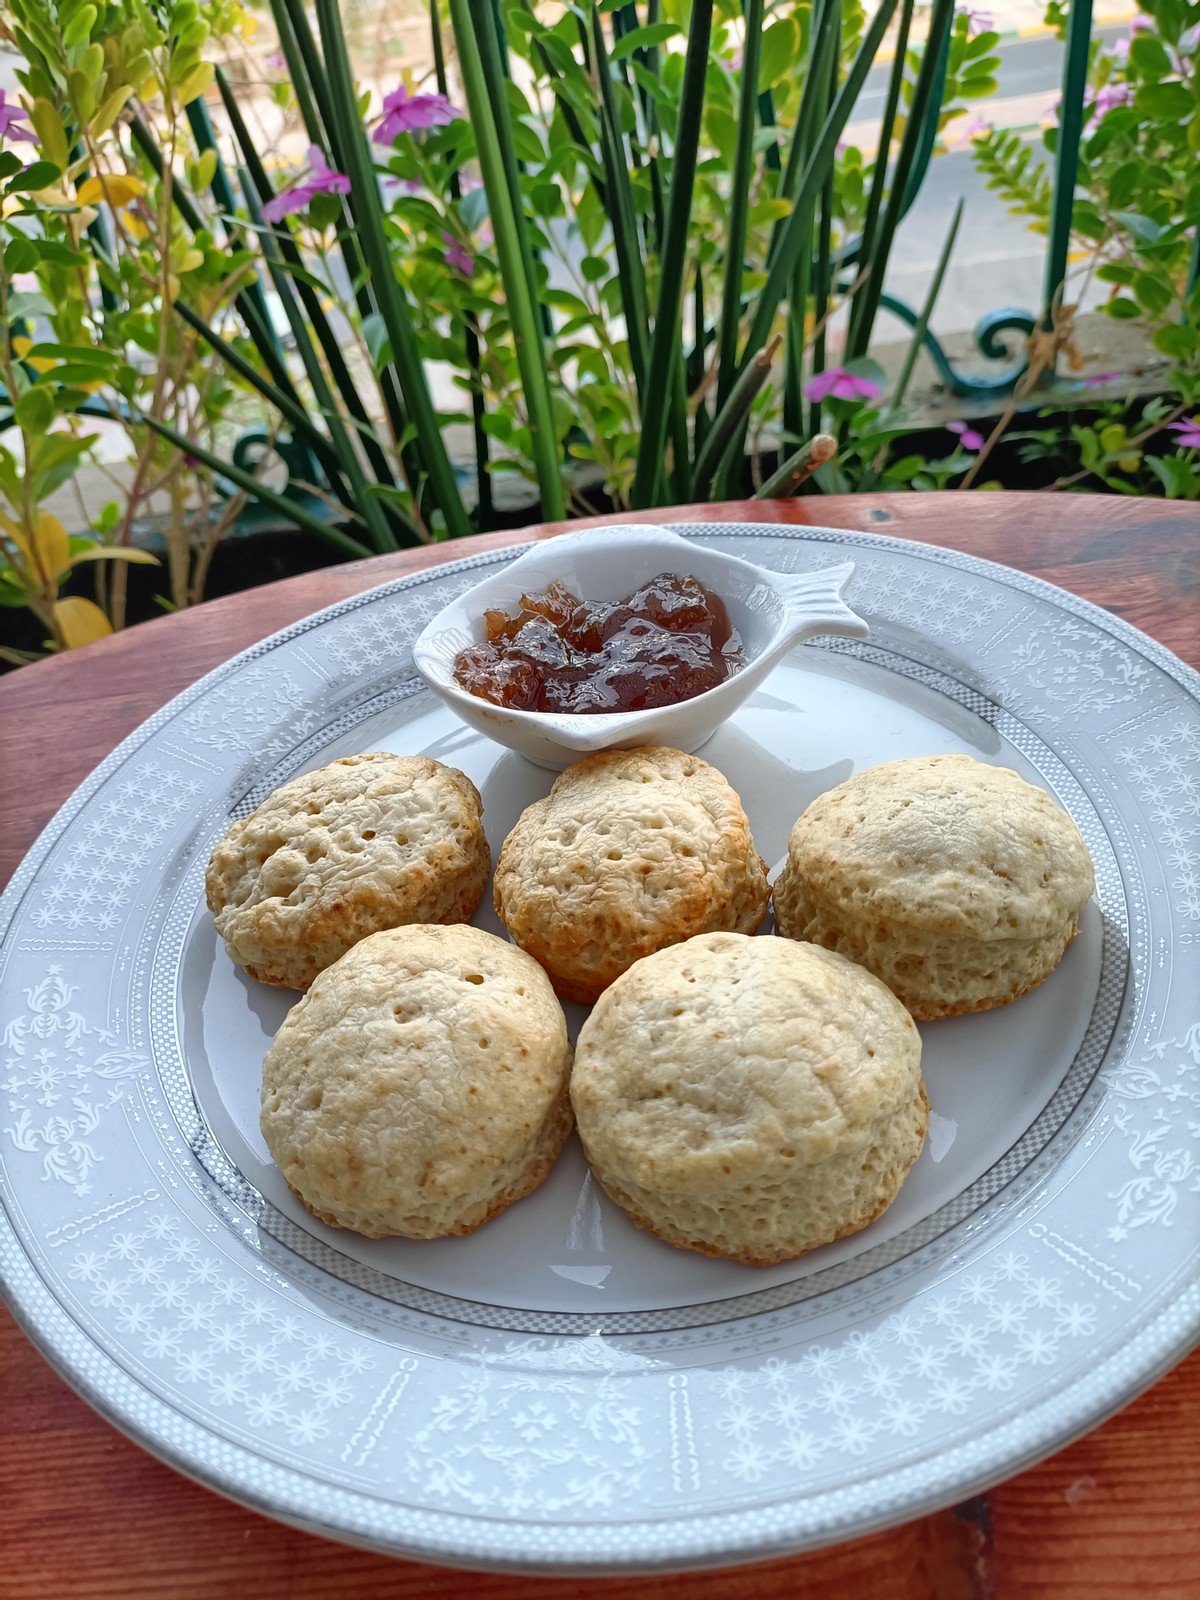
(89, 1515)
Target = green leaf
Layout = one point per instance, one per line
(375, 333)
(648, 38)
(1178, 477)
(45, 118)
(1151, 293)
(21, 255)
(35, 410)
(39, 175)
(58, 255)
(90, 354)
(1179, 341)
(1165, 102)
(111, 110)
(1123, 310)
(780, 53)
(1149, 55)
(79, 29)
(1141, 227)
(594, 268)
(1118, 124)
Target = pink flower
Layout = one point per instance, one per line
(971, 440)
(978, 128)
(977, 21)
(1099, 379)
(323, 180)
(1189, 432)
(1105, 99)
(839, 384)
(275, 60)
(12, 114)
(404, 113)
(457, 256)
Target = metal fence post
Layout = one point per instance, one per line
(1066, 155)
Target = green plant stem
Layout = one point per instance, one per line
(810, 457)
(879, 176)
(393, 308)
(732, 417)
(271, 497)
(926, 104)
(292, 410)
(621, 214)
(297, 72)
(739, 202)
(469, 19)
(822, 267)
(780, 273)
(670, 280)
(484, 511)
(317, 320)
(922, 322)
(813, 106)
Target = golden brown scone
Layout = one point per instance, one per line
(368, 842)
(750, 1098)
(630, 851)
(956, 882)
(420, 1086)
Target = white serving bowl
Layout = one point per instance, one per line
(772, 612)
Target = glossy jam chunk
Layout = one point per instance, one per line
(668, 642)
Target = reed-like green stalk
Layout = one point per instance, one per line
(292, 410)
(731, 418)
(484, 510)
(670, 278)
(922, 323)
(887, 127)
(393, 308)
(817, 167)
(260, 491)
(469, 19)
(739, 202)
(798, 467)
(822, 268)
(925, 105)
(381, 535)
(622, 217)
(258, 190)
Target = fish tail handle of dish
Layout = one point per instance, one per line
(813, 603)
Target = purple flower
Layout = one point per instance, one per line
(12, 114)
(838, 384)
(1105, 99)
(404, 113)
(1188, 431)
(971, 440)
(977, 21)
(323, 180)
(1099, 379)
(457, 256)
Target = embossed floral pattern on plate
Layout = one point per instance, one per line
(235, 1340)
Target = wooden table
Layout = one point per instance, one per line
(87, 1514)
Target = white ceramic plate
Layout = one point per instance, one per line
(560, 1391)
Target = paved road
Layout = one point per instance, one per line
(997, 261)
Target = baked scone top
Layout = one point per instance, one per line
(734, 1052)
(420, 1080)
(367, 842)
(630, 851)
(949, 843)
